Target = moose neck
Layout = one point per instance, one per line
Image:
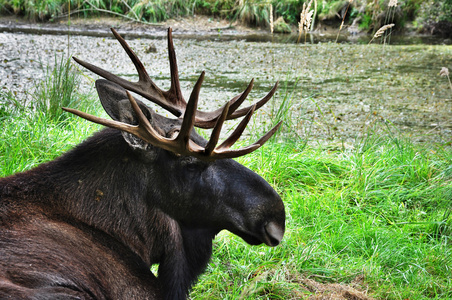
(102, 183)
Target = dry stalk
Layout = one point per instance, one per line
(392, 3)
(271, 18)
(343, 20)
(305, 20)
(389, 18)
(445, 72)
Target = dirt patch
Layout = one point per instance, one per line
(288, 284)
(324, 291)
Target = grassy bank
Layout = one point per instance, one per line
(373, 217)
(368, 15)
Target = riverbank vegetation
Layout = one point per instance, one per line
(431, 16)
(370, 219)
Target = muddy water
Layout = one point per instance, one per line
(336, 91)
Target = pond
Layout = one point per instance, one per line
(333, 91)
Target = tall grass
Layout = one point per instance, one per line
(58, 89)
(35, 128)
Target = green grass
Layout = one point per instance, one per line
(58, 89)
(379, 212)
(375, 216)
(36, 129)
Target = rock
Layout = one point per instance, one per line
(151, 49)
(280, 26)
(441, 28)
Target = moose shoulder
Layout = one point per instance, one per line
(89, 224)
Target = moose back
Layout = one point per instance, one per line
(148, 190)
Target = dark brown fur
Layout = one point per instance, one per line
(89, 224)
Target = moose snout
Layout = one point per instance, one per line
(273, 233)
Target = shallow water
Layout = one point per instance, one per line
(337, 90)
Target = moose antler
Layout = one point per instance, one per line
(182, 144)
(174, 102)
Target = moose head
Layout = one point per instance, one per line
(256, 218)
(162, 192)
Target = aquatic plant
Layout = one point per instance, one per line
(374, 214)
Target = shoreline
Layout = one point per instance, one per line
(99, 27)
(198, 27)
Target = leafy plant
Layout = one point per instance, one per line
(255, 13)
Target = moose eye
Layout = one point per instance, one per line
(192, 164)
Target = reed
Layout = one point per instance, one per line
(343, 19)
(306, 17)
(381, 31)
(445, 72)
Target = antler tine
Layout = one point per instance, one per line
(269, 134)
(208, 119)
(174, 90)
(107, 75)
(145, 86)
(143, 77)
(210, 147)
(238, 131)
(241, 112)
(143, 130)
(99, 120)
(246, 150)
(189, 115)
(236, 103)
(233, 153)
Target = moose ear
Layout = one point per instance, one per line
(117, 105)
(110, 94)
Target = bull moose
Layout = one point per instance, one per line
(145, 190)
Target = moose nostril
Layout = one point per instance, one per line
(275, 233)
